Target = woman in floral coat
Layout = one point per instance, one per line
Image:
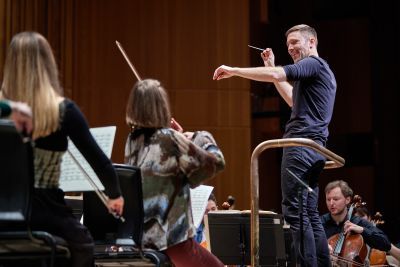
(171, 163)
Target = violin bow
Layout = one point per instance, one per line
(128, 61)
(103, 197)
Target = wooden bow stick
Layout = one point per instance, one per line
(103, 197)
(128, 61)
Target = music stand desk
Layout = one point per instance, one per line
(228, 237)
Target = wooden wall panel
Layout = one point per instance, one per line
(199, 108)
(180, 43)
(19, 16)
(51, 18)
(235, 180)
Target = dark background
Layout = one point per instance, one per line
(360, 41)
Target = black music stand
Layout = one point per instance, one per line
(229, 238)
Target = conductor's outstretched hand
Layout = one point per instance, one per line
(223, 72)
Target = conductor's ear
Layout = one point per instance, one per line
(312, 42)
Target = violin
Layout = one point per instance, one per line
(229, 204)
(349, 249)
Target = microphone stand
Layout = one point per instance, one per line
(103, 197)
(301, 221)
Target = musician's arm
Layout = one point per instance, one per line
(395, 252)
(373, 236)
(200, 158)
(78, 131)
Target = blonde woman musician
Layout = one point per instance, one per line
(31, 76)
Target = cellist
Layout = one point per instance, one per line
(364, 213)
(338, 195)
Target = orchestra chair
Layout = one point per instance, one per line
(104, 227)
(109, 232)
(19, 246)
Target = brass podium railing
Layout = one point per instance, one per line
(333, 161)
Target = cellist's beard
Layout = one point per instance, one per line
(342, 212)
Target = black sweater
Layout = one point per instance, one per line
(372, 235)
(73, 125)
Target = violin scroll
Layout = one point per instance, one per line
(229, 204)
(377, 219)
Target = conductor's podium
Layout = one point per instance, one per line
(228, 236)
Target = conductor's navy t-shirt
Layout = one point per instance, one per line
(314, 90)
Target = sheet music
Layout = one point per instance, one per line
(199, 199)
(72, 178)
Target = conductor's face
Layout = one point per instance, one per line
(299, 45)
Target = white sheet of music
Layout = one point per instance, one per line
(199, 199)
(72, 178)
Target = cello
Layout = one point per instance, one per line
(350, 249)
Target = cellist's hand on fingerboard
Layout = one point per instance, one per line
(350, 227)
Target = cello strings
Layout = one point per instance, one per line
(103, 197)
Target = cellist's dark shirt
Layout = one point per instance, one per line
(372, 235)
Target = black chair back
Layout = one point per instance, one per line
(102, 225)
(17, 241)
(16, 177)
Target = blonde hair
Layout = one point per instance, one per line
(31, 76)
(148, 105)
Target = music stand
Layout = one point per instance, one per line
(229, 238)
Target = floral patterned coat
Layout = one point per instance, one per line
(170, 165)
